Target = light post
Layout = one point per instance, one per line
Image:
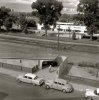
(97, 70)
(69, 32)
(58, 35)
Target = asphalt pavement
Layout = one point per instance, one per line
(47, 75)
(10, 89)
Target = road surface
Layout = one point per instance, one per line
(10, 89)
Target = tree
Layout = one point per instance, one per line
(8, 23)
(48, 12)
(4, 13)
(23, 23)
(90, 10)
(30, 22)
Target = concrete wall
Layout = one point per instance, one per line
(60, 59)
(15, 67)
(62, 66)
(20, 62)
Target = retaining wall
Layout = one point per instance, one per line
(62, 64)
(15, 67)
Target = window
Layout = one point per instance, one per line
(85, 31)
(59, 83)
(25, 76)
(77, 31)
(63, 84)
(55, 82)
(68, 30)
(29, 77)
(35, 77)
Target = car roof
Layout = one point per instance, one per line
(30, 75)
(61, 80)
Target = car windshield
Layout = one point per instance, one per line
(35, 77)
(96, 92)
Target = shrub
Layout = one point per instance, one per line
(98, 39)
(74, 36)
(70, 62)
(88, 64)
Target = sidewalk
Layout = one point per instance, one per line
(45, 74)
(9, 72)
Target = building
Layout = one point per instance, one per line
(66, 29)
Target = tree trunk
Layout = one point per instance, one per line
(91, 36)
(0, 28)
(46, 32)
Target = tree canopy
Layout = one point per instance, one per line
(90, 10)
(4, 13)
(48, 11)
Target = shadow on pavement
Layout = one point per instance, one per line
(3, 95)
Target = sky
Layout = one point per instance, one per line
(25, 5)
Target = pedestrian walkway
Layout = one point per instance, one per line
(46, 75)
(10, 72)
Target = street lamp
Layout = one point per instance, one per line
(58, 35)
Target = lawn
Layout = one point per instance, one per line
(53, 37)
(84, 72)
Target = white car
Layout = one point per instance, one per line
(91, 94)
(59, 84)
(30, 78)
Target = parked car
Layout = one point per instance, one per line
(59, 84)
(91, 94)
(30, 78)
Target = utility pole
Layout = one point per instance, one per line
(58, 35)
(97, 70)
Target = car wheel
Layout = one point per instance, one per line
(47, 86)
(64, 90)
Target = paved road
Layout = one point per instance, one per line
(10, 89)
